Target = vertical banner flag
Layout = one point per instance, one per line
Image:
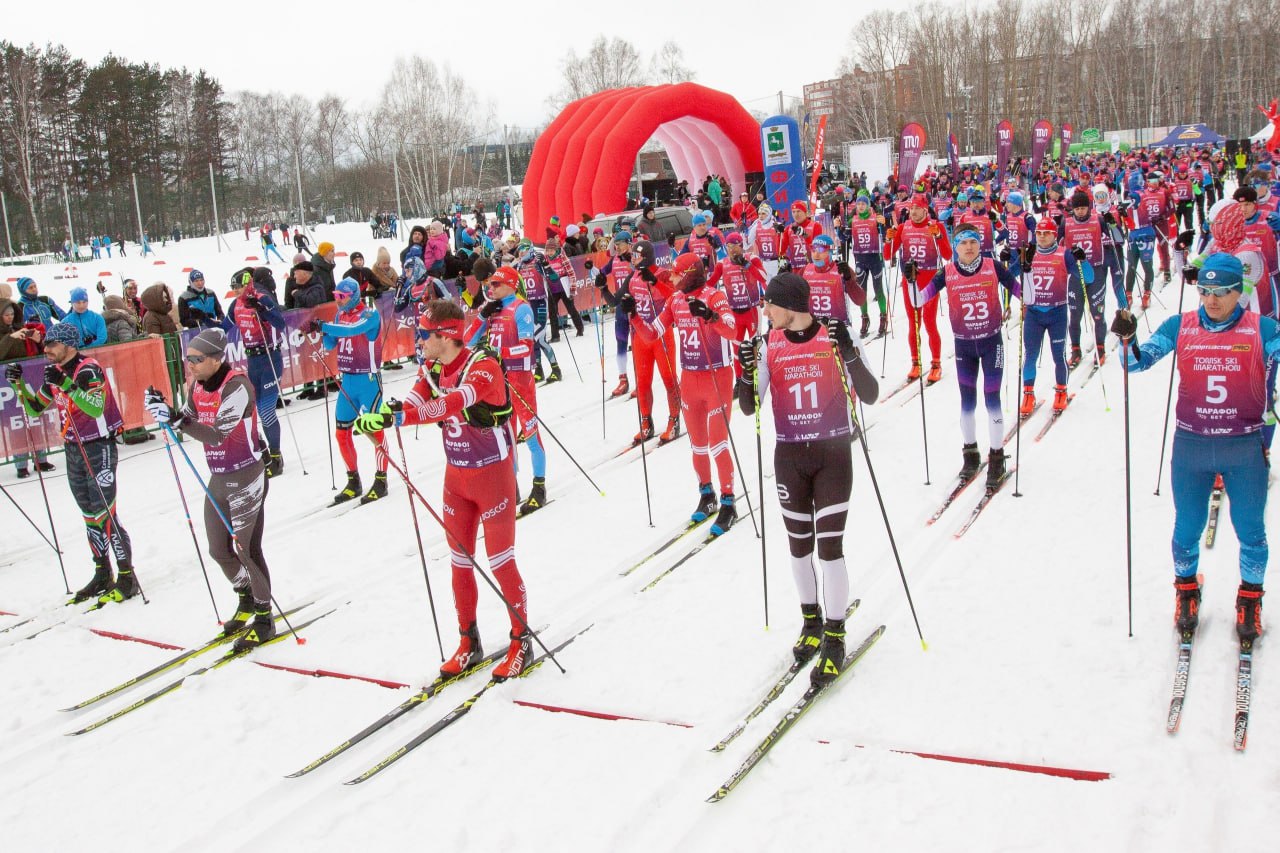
(819, 143)
(953, 151)
(1004, 148)
(909, 148)
(783, 164)
(1064, 144)
(1040, 136)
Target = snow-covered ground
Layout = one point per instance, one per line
(1029, 659)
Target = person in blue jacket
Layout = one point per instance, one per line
(37, 308)
(198, 307)
(92, 328)
(1224, 353)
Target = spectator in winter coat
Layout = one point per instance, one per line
(198, 307)
(122, 324)
(383, 272)
(573, 241)
(130, 290)
(322, 266)
(158, 301)
(37, 308)
(743, 212)
(435, 250)
(90, 325)
(363, 276)
(307, 292)
(18, 339)
(417, 237)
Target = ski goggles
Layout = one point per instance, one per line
(1210, 290)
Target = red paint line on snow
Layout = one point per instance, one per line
(328, 673)
(7, 613)
(112, 635)
(1044, 770)
(596, 715)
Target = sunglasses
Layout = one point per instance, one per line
(1210, 290)
(196, 359)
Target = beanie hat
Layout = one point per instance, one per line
(306, 266)
(63, 333)
(919, 200)
(1014, 198)
(1079, 198)
(355, 255)
(25, 284)
(298, 258)
(79, 294)
(790, 291)
(1220, 270)
(734, 238)
(210, 342)
(1047, 225)
(823, 240)
(324, 248)
(572, 231)
(699, 219)
(195, 275)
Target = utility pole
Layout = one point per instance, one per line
(137, 207)
(217, 228)
(302, 210)
(395, 162)
(71, 234)
(7, 236)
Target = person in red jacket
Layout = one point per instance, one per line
(922, 248)
(705, 327)
(743, 212)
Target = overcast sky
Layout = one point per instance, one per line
(509, 52)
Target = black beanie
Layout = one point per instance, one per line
(790, 291)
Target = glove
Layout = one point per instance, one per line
(1006, 255)
(1109, 218)
(153, 401)
(797, 230)
(252, 300)
(647, 276)
(627, 304)
(588, 264)
(1078, 253)
(602, 281)
(13, 373)
(671, 240)
(839, 332)
(784, 265)
(747, 358)
(312, 327)
(1125, 325)
(89, 339)
(698, 308)
(197, 314)
(102, 288)
(492, 307)
(909, 271)
(54, 376)
(843, 269)
(1190, 274)
(1028, 255)
(1184, 240)
(991, 214)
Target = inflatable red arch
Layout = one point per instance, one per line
(584, 159)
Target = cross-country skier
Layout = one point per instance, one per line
(1223, 353)
(812, 403)
(253, 313)
(743, 280)
(797, 238)
(86, 404)
(922, 248)
(221, 414)
(830, 282)
(1054, 273)
(866, 243)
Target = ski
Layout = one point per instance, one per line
(1244, 693)
(1215, 507)
(171, 664)
(774, 692)
(955, 493)
(887, 397)
(1053, 419)
(453, 716)
(982, 504)
(685, 530)
(792, 716)
(1181, 673)
(1008, 436)
(521, 512)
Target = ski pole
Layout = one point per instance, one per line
(644, 463)
(884, 513)
(235, 540)
(1017, 430)
(422, 556)
(569, 344)
(279, 392)
(1128, 502)
(1099, 341)
(44, 437)
(924, 424)
(29, 521)
(168, 447)
(324, 392)
(543, 426)
(764, 554)
(604, 432)
(1168, 400)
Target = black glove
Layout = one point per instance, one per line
(797, 230)
(588, 264)
(839, 332)
(1109, 218)
(1027, 256)
(54, 376)
(1125, 325)
(747, 357)
(784, 265)
(1190, 274)
(492, 307)
(1184, 240)
(647, 276)
(602, 281)
(743, 261)
(102, 288)
(13, 373)
(909, 271)
(312, 327)
(627, 304)
(844, 270)
(698, 308)
(252, 301)
(1006, 255)
(671, 240)
(991, 214)
(197, 314)
(1078, 253)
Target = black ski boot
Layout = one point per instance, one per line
(1186, 608)
(123, 589)
(1076, 357)
(995, 467)
(351, 491)
(244, 612)
(810, 633)
(725, 517)
(972, 461)
(706, 503)
(275, 465)
(378, 490)
(555, 376)
(537, 373)
(261, 629)
(1249, 612)
(469, 652)
(884, 326)
(866, 326)
(831, 655)
(537, 496)
(100, 583)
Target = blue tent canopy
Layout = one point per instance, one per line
(1190, 134)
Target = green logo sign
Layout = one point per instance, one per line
(777, 141)
(1091, 134)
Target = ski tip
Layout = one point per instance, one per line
(718, 795)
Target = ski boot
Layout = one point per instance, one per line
(672, 432)
(1186, 608)
(1074, 361)
(275, 465)
(995, 468)
(623, 387)
(1102, 357)
(261, 629)
(830, 655)
(972, 461)
(555, 374)
(537, 373)
(866, 326)
(1028, 400)
(351, 491)
(1168, 276)
(884, 326)
(1059, 397)
(1249, 612)
(914, 373)
(810, 633)
(537, 497)
(468, 654)
(244, 612)
(725, 517)
(935, 372)
(377, 490)
(519, 654)
(1146, 299)
(706, 503)
(125, 587)
(646, 430)
(100, 583)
